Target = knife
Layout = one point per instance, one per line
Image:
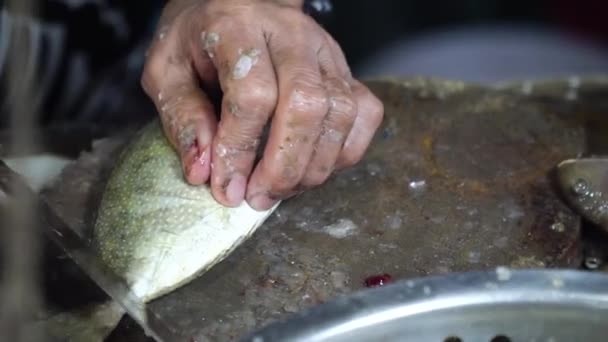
(55, 229)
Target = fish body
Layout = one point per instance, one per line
(158, 231)
(155, 230)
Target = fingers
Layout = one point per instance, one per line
(336, 125)
(186, 113)
(296, 125)
(248, 81)
(370, 112)
(285, 70)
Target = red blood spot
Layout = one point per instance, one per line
(194, 155)
(378, 280)
(194, 147)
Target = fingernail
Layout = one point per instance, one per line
(261, 202)
(235, 191)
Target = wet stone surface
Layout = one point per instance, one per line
(457, 178)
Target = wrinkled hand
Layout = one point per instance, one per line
(273, 63)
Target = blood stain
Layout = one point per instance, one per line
(378, 280)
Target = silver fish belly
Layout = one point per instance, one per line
(156, 230)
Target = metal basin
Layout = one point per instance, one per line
(493, 306)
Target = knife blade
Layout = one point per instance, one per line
(55, 229)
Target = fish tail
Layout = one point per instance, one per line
(93, 323)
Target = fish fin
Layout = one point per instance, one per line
(93, 323)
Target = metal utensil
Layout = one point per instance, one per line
(500, 305)
(73, 245)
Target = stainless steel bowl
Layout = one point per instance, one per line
(493, 306)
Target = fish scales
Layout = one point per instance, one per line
(158, 231)
(155, 230)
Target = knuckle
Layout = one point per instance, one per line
(311, 100)
(374, 109)
(213, 31)
(236, 144)
(344, 105)
(257, 98)
(154, 64)
(304, 24)
(151, 72)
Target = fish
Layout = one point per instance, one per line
(155, 230)
(583, 183)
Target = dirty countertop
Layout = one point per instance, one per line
(457, 178)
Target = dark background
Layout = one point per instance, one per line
(363, 26)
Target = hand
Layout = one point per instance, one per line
(273, 64)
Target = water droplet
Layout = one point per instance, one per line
(580, 187)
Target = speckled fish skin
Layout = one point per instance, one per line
(156, 230)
